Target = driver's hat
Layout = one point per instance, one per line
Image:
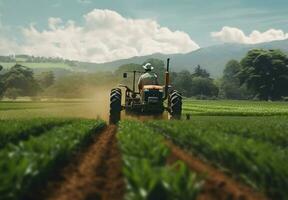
(148, 66)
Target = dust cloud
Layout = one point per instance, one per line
(93, 103)
(99, 107)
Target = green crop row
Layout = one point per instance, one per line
(145, 166)
(272, 130)
(13, 131)
(261, 164)
(30, 162)
(235, 108)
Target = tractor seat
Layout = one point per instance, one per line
(152, 87)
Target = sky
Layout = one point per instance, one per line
(107, 30)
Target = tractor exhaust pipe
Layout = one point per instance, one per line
(167, 79)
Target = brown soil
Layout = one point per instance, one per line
(217, 185)
(95, 175)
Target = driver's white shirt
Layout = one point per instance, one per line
(149, 78)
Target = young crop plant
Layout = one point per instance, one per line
(29, 163)
(13, 131)
(259, 163)
(146, 170)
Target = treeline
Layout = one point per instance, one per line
(36, 59)
(198, 84)
(260, 75)
(20, 81)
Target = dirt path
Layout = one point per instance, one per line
(218, 186)
(95, 175)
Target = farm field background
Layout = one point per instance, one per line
(93, 108)
(245, 140)
(89, 109)
(234, 108)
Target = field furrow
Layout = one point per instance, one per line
(260, 164)
(31, 162)
(217, 185)
(94, 174)
(148, 173)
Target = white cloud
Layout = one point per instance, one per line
(235, 35)
(8, 47)
(104, 36)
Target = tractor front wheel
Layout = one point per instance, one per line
(175, 104)
(115, 105)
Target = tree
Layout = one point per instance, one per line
(46, 79)
(203, 87)
(199, 72)
(230, 86)
(21, 78)
(231, 70)
(1, 84)
(12, 93)
(266, 73)
(182, 81)
(1, 89)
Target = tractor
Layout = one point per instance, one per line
(150, 100)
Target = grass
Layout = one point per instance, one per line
(252, 149)
(30, 162)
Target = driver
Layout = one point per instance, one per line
(149, 78)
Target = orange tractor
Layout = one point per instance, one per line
(150, 100)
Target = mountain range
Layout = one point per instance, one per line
(212, 58)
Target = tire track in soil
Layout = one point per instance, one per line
(96, 174)
(217, 185)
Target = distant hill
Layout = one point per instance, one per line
(211, 58)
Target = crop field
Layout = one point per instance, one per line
(63, 150)
(145, 166)
(234, 108)
(73, 108)
(251, 149)
(31, 149)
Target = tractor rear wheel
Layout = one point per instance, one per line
(175, 104)
(115, 105)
